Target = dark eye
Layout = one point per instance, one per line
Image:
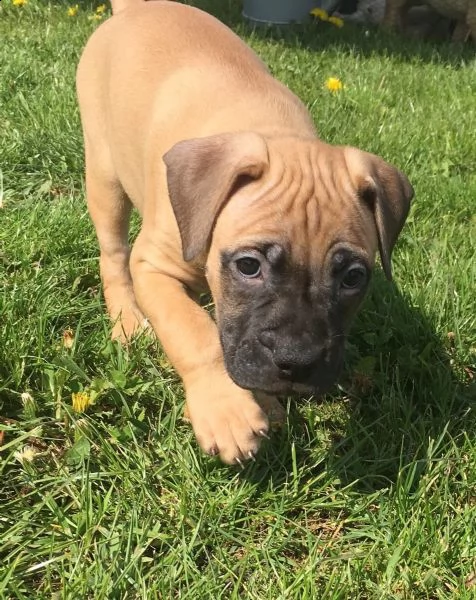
(249, 267)
(355, 277)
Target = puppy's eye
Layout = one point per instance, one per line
(356, 277)
(249, 267)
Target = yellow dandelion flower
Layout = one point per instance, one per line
(337, 21)
(333, 84)
(81, 401)
(19, 2)
(320, 14)
(26, 454)
(73, 10)
(101, 9)
(95, 17)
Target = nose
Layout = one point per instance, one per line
(295, 357)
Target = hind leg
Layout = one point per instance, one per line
(110, 211)
(471, 22)
(461, 32)
(394, 13)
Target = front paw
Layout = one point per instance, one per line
(129, 323)
(226, 420)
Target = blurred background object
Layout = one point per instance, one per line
(277, 12)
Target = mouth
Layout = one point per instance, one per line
(279, 387)
(266, 378)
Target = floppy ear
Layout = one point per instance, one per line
(388, 193)
(202, 174)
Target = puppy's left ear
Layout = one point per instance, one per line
(388, 194)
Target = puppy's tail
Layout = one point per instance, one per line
(119, 5)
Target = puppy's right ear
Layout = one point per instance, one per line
(386, 192)
(203, 174)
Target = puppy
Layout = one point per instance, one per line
(237, 196)
(462, 11)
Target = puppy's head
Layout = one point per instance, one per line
(290, 228)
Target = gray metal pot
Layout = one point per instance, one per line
(277, 12)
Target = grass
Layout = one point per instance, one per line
(367, 493)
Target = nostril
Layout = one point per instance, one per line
(284, 365)
(286, 369)
(298, 368)
(267, 339)
(296, 372)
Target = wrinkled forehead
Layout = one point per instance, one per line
(308, 205)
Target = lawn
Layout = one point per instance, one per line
(369, 492)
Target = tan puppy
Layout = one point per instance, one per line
(237, 195)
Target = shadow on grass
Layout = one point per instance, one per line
(318, 37)
(411, 392)
(419, 391)
(352, 39)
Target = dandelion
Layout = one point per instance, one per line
(82, 425)
(68, 338)
(337, 21)
(19, 2)
(26, 454)
(73, 10)
(101, 9)
(29, 405)
(320, 14)
(333, 84)
(95, 17)
(26, 397)
(81, 401)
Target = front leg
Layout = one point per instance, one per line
(226, 419)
